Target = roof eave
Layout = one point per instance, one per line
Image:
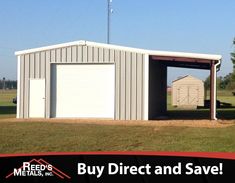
(27, 51)
(142, 51)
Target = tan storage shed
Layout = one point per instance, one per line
(188, 91)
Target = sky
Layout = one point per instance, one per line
(186, 25)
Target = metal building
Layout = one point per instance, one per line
(87, 79)
(188, 91)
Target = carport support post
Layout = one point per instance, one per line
(213, 91)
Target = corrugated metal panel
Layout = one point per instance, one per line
(129, 81)
(52, 56)
(112, 55)
(140, 87)
(22, 87)
(26, 85)
(32, 65)
(58, 55)
(42, 64)
(74, 54)
(101, 55)
(47, 82)
(37, 65)
(69, 54)
(63, 57)
(122, 86)
(106, 55)
(128, 85)
(96, 55)
(133, 86)
(90, 54)
(117, 83)
(84, 54)
(79, 54)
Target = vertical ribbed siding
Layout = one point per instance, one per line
(129, 76)
(37, 65)
(122, 86)
(32, 66)
(128, 85)
(140, 87)
(133, 86)
(117, 59)
(22, 88)
(49, 55)
(52, 55)
(74, 54)
(26, 85)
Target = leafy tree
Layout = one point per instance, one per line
(207, 83)
(233, 56)
(226, 82)
(207, 86)
(232, 83)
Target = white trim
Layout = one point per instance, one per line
(214, 114)
(18, 88)
(146, 87)
(215, 91)
(81, 42)
(158, 53)
(215, 103)
(143, 51)
(185, 55)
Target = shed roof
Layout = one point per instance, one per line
(183, 77)
(116, 47)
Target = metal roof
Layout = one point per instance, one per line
(143, 51)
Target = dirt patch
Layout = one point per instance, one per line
(154, 123)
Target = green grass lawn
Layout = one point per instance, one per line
(51, 137)
(6, 97)
(25, 137)
(7, 108)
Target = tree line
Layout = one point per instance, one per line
(227, 82)
(8, 84)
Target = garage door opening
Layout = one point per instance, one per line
(82, 90)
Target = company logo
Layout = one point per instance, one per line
(37, 168)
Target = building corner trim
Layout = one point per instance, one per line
(146, 86)
(215, 91)
(18, 88)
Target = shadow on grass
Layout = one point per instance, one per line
(7, 109)
(222, 113)
(188, 114)
(226, 114)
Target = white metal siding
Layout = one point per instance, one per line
(129, 95)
